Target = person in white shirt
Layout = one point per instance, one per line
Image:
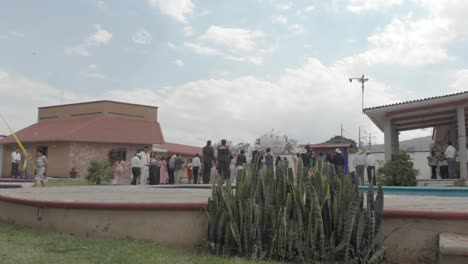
(196, 168)
(15, 162)
(371, 167)
(450, 155)
(145, 162)
(136, 168)
(360, 163)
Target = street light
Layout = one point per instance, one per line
(362, 80)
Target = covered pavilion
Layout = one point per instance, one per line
(447, 114)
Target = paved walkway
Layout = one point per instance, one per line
(147, 194)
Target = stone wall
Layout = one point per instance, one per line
(82, 153)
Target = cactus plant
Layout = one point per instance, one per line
(314, 217)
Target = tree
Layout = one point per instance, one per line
(290, 145)
(340, 139)
(234, 148)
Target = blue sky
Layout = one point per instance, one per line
(232, 69)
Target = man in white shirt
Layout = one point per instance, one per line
(136, 168)
(145, 162)
(15, 162)
(371, 167)
(360, 163)
(450, 155)
(196, 168)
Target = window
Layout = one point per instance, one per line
(121, 153)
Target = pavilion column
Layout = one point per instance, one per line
(388, 139)
(462, 141)
(395, 141)
(452, 134)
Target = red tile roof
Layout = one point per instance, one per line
(100, 101)
(102, 130)
(184, 150)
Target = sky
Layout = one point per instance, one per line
(233, 69)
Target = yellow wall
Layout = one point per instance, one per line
(57, 156)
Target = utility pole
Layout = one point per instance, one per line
(359, 142)
(362, 80)
(341, 133)
(370, 140)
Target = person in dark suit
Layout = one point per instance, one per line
(208, 158)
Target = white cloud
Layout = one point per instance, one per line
(202, 50)
(309, 8)
(78, 50)
(296, 28)
(360, 6)
(179, 62)
(100, 37)
(92, 66)
(283, 7)
(259, 104)
(237, 39)
(408, 42)
(101, 4)
(461, 81)
(188, 31)
(142, 37)
(94, 75)
(279, 19)
(178, 10)
(171, 45)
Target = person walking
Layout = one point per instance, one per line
(196, 163)
(208, 158)
(224, 161)
(450, 155)
(163, 174)
(338, 160)
(136, 168)
(41, 164)
(15, 162)
(179, 169)
(145, 158)
(277, 161)
(371, 167)
(172, 169)
(433, 161)
(269, 158)
(359, 164)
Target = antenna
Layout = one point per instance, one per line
(362, 80)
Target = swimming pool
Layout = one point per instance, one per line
(423, 191)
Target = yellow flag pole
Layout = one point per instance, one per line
(26, 154)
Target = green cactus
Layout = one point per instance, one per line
(313, 217)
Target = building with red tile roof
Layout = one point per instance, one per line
(74, 134)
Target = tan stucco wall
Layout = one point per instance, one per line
(415, 240)
(57, 156)
(95, 109)
(82, 153)
(177, 229)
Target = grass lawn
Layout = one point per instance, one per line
(19, 245)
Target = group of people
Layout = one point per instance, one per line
(445, 161)
(19, 163)
(363, 160)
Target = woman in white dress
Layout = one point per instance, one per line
(233, 168)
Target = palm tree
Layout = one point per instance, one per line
(99, 171)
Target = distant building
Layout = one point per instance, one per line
(72, 135)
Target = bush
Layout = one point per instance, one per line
(99, 172)
(398, 172)
(312, 218)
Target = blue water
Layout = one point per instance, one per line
(422, 191)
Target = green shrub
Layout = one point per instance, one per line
(312, 218)
(398, 172)
(99, 172)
